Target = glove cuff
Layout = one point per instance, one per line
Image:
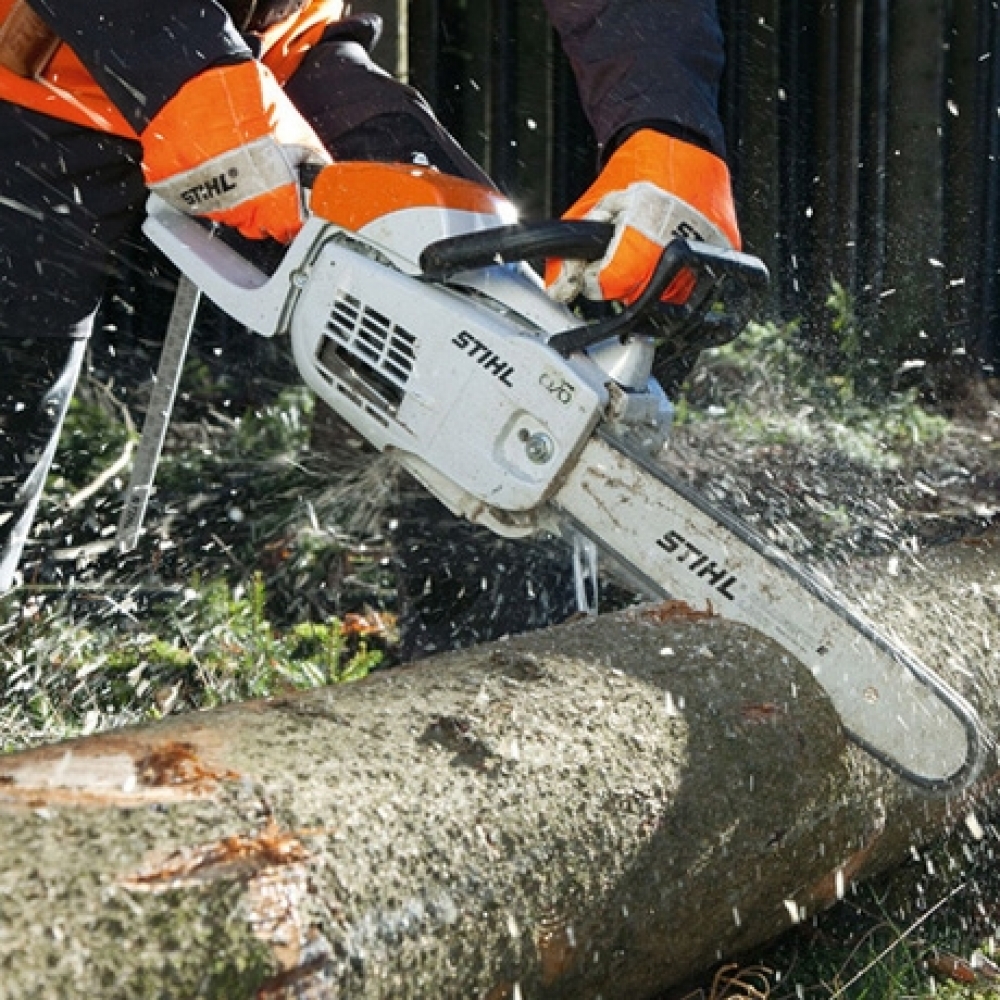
(681, 132)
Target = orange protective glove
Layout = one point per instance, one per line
(653, 189)
(227, 146)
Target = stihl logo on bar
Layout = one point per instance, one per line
(698, 563)
(478, 351)
(215, 187)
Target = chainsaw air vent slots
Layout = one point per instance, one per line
(366, 356)
(367, 334)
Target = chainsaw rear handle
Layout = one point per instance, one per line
(251, 296)
(735, 281)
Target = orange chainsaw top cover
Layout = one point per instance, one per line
(351, 195)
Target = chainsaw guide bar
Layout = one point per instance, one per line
(674, 542)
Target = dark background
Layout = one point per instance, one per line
(864, 138)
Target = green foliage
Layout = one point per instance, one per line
(843, 323)
(65, 674)
(273, 432)
(769, 391)
(278, 427)
(238, 647)
(93, 437)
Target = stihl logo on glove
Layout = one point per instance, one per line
(228, 146)
(686, 231)
(216, 188)
(249, 178)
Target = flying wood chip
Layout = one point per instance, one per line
(371, 623)
(951, 967)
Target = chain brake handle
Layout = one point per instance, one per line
(728, 285)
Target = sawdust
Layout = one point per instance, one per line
(672, 611)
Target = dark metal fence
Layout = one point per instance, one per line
(494, 73)
(864, 137)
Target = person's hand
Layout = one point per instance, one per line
(228, 146)
(653, 188)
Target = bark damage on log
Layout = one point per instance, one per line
(601, 809)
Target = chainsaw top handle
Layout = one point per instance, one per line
(574, 240)
(727, 290)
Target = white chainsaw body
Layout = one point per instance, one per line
(457, 381)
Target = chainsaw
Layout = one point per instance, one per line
(414, 312)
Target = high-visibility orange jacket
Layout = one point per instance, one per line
(638, 63)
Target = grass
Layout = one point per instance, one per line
(925, 930)
(66, 672)
(890, 940)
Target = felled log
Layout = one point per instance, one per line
(603, 809)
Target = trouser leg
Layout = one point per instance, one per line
(37, 380)
(458, 584)
(67, 197)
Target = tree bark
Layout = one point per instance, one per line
(600, 809)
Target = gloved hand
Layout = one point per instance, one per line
(227, 146)
(653, 188)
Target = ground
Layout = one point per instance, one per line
(268, 558)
